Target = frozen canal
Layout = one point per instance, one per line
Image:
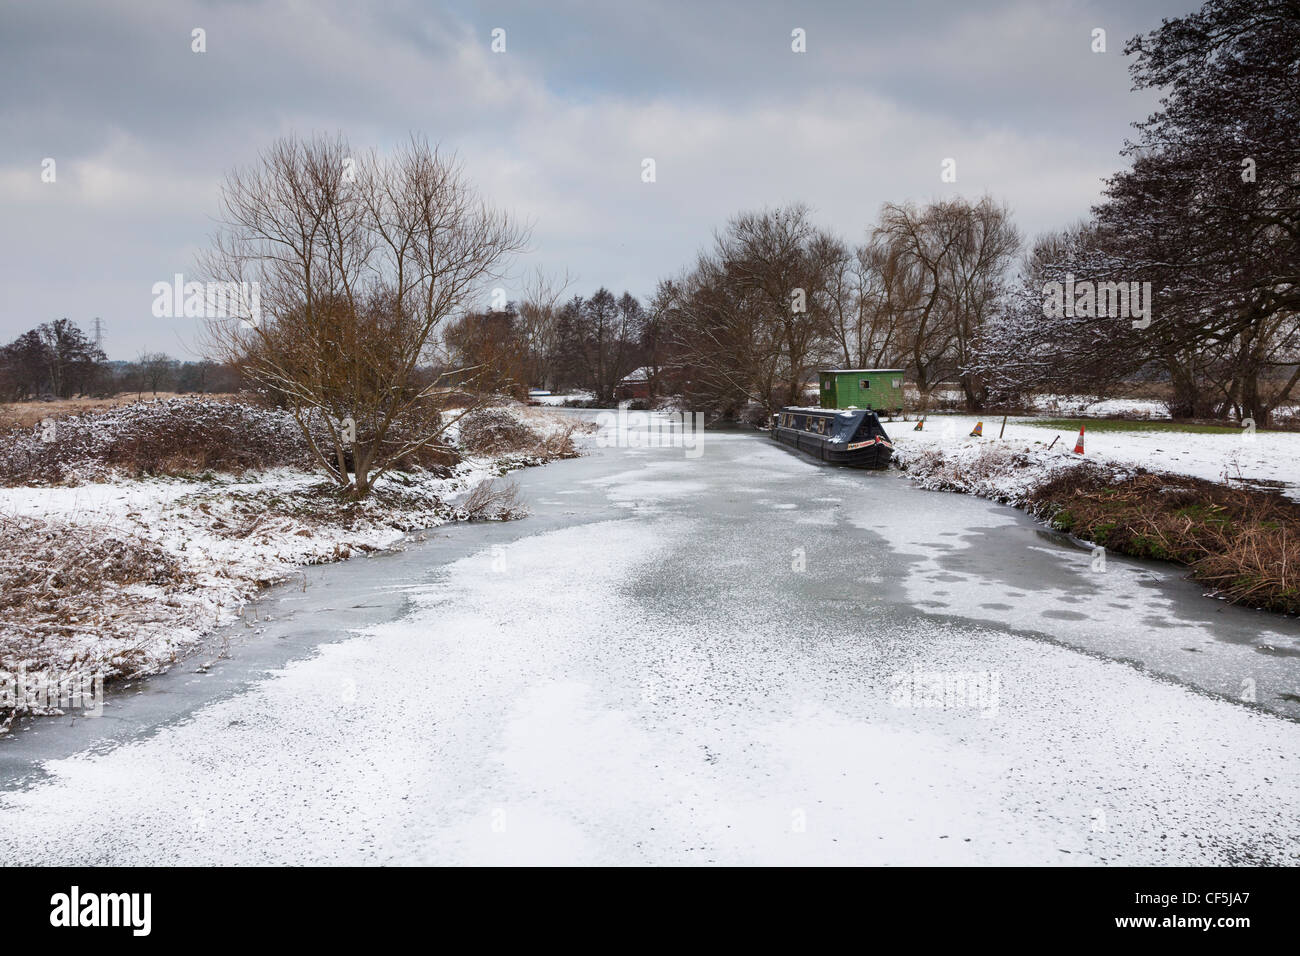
(741, 657)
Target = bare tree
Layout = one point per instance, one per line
(976, 273)
(157, 371)
(724, 338)
(923, 239)
(539, 311)
(358, 261)
(597, 340)
(875, 291)
(754, 317)
(952, 256)
(492, 340)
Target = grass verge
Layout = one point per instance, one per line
(1130, 425)
(1243, 543)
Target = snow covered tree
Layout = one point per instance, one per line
(1211, 205)
(1208, 213)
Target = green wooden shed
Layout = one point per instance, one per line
(880, 389)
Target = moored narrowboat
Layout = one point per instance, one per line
(844, 436)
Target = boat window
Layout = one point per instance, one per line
(898, 383)
(865, 383)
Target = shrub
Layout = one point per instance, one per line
(73, 595)
(494, 431)
(163, 437)
(490, 501)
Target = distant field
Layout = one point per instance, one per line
(29, 414)
(1121, 425)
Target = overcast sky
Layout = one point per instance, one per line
(142, 129)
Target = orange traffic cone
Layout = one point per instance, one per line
(1078, 446)
(920, 425)
(979, 430)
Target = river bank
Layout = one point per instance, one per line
(122, 576)
(1238, 540)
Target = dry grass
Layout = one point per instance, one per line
(31, 414)
(1242, 542)
(556, 445)
(72, 596)
(165, 437)
(499, 432)
(494, 431)
(237, 514)
(493, 501)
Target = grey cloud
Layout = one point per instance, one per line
(143, 129)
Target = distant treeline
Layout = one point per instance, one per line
(58, 360)
(586, 343)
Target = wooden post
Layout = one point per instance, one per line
(1004, 426)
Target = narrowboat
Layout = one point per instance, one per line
(843, 436)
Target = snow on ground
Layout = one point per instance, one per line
(1073, 405)
(1265, 456)
(226, 551)
(545, 423)
(561, 399)
(232, 536)
(591, 696)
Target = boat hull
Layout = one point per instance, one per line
(872, 453)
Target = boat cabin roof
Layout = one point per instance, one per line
(846, 371)
(829, 412)
(809, 410)
(834, 425)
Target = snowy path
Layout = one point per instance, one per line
(662, 685)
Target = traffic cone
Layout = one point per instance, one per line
(1078, 446)
(920, 425)
(979, 430)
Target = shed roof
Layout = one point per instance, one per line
(842, 371)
